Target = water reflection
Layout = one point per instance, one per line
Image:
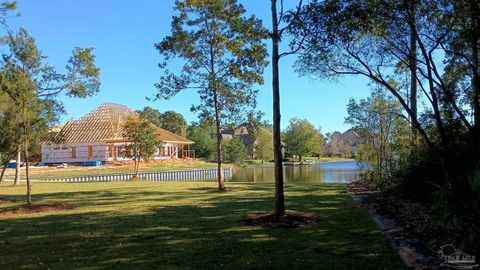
(328, 172)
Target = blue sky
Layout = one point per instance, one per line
(123, 34)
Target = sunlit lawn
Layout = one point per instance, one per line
(169, 225)
(53, 172)
(321, 159)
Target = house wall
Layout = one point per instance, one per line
(101, 151)
(74, 153)
(166, 151)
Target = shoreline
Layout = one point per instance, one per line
(271, 165)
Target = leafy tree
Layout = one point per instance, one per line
(379, 116)
(224, 56)
(382, 40)
(264, 145)
(142, 141)
(204, 145)
(346, 150)
(33, 86)
(321, 147)
(302, 138)
(234, 150)
(366, 38)
(169, 120)
(413, 49)
(255, 122)
(152, 115)
(174, 122)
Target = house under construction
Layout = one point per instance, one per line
(97, 137)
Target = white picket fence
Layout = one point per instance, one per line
(191, 175)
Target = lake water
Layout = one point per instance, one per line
(327, 172)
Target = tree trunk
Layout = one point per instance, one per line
(413, 69)
(216, 104)
(135, 172)
(221, 180)
(138, 166)
(136, 162)
(17, 167)
(4, 168)
(27, 175)
(277, 143)
(475, 36)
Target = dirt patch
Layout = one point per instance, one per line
(290, 220)
(36, 208)
(151, 163)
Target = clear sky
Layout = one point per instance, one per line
(123, 33)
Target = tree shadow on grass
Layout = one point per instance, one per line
(194, 229)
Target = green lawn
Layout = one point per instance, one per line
(181, 225)
(53, 172)
(322, 159)
(326, 159)
(257, 162)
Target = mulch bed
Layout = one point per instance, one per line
(290, 220)
(407, 224)
(36, 208)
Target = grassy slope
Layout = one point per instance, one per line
(178, 225)
(322, 159)
(43, 173)
(326, 159)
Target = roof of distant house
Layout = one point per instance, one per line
(242, 131)
(105, 123)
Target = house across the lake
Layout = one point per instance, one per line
(97, 138)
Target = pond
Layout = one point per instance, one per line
(326, 172)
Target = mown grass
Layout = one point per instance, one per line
(325, 159)
(74, 171)
(321, 159)
(179, 225)
(257, 162)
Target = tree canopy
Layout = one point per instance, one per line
(143, 141)
(32, 87)
(223, 56)
(263, 144)
(302, 138)
(169, 120)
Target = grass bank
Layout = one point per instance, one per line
(119, 168)
(321, 159)
(178, 225)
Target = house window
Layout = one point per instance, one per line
(74, 152)
(90, 151)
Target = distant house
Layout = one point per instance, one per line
(244, 132)
(345, 144)
(97, 136)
